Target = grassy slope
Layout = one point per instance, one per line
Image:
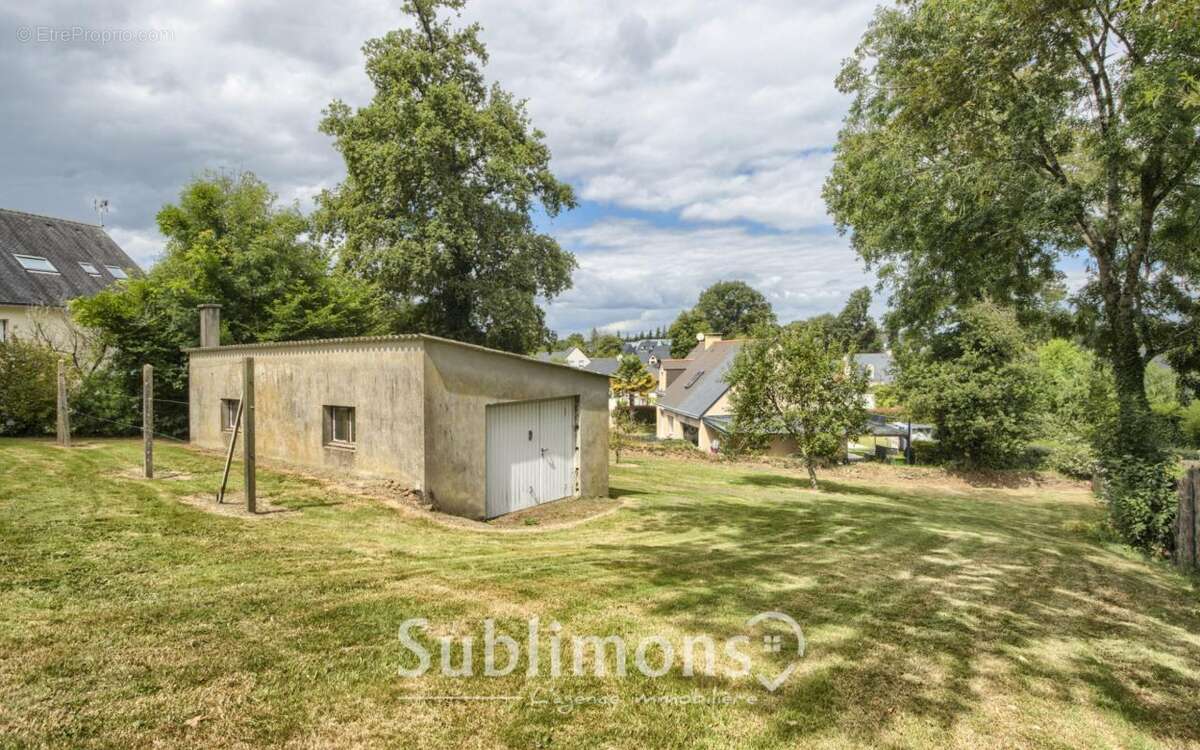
(934, 617)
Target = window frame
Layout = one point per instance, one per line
(116, 272)
(229, 409)
(329, 420)
(89, 268)
(3, 330)
(22, 257)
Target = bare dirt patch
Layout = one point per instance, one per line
(561, 514)
(235, 505)
(558, 514)
(135, 472)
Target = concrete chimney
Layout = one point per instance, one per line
(708, 339)
(210, 326)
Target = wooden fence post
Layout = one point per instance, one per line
(1187, 525)
(148, 421)
(64, 417)
(248, 433)
(237, 425)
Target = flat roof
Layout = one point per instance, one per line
(366, 340)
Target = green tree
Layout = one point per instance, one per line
(1162, 387)
(986, 140)
(631, 380)
(795, 382)
(443, 176)
(575, 340)
(683, 332)
(624, 427)
(28, 387)
(979, 383)
(603, 345)
(227, 242)
(734, 308)
(1069, 373)
(854, 324)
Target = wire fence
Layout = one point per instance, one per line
(135, 423)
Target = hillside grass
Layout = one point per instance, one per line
(936, 615)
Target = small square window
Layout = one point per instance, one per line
(117, 272)
(89, 268)
(229, 413)
(35, 264)
(339, 426)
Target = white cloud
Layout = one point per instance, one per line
(633, 275)
(144, 247)
(713, 113)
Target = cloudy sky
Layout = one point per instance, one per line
(697, 134)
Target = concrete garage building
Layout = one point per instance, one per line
(480, 432)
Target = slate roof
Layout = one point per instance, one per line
(64, 243)
(643, 345)
(703, 383)
(660, 352)
(602, 365)
(881, 362)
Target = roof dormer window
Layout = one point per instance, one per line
(117, 272)
(89, 268)
(35, 264)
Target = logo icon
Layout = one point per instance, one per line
(775, 644)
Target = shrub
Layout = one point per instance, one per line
(926, 453)
(645, 414)
(28, 388)
(980, 384)
(1142, 501)
(1189, 424)
(102, 405)
(1075, 459)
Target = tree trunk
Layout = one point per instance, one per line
(1134, 428)
(812, 473)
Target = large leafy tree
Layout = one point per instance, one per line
(796, 382)
(988, 139)
(854, 324)
(734, 308)
(979, 382)
(683, 332)
(632, 380)
(444, 173)
(227, 242)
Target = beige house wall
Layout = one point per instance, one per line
(49, 325)
(420, 409)
(668, 420)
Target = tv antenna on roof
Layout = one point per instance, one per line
(101, 206)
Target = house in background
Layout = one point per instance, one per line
(878, 366)
(44, 264)
(694, 404)
(575, 357)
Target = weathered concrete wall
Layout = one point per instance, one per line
(381, 379)
(460, 381)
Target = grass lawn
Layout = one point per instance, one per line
(939, 615)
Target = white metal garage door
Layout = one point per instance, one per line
(530, 454)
